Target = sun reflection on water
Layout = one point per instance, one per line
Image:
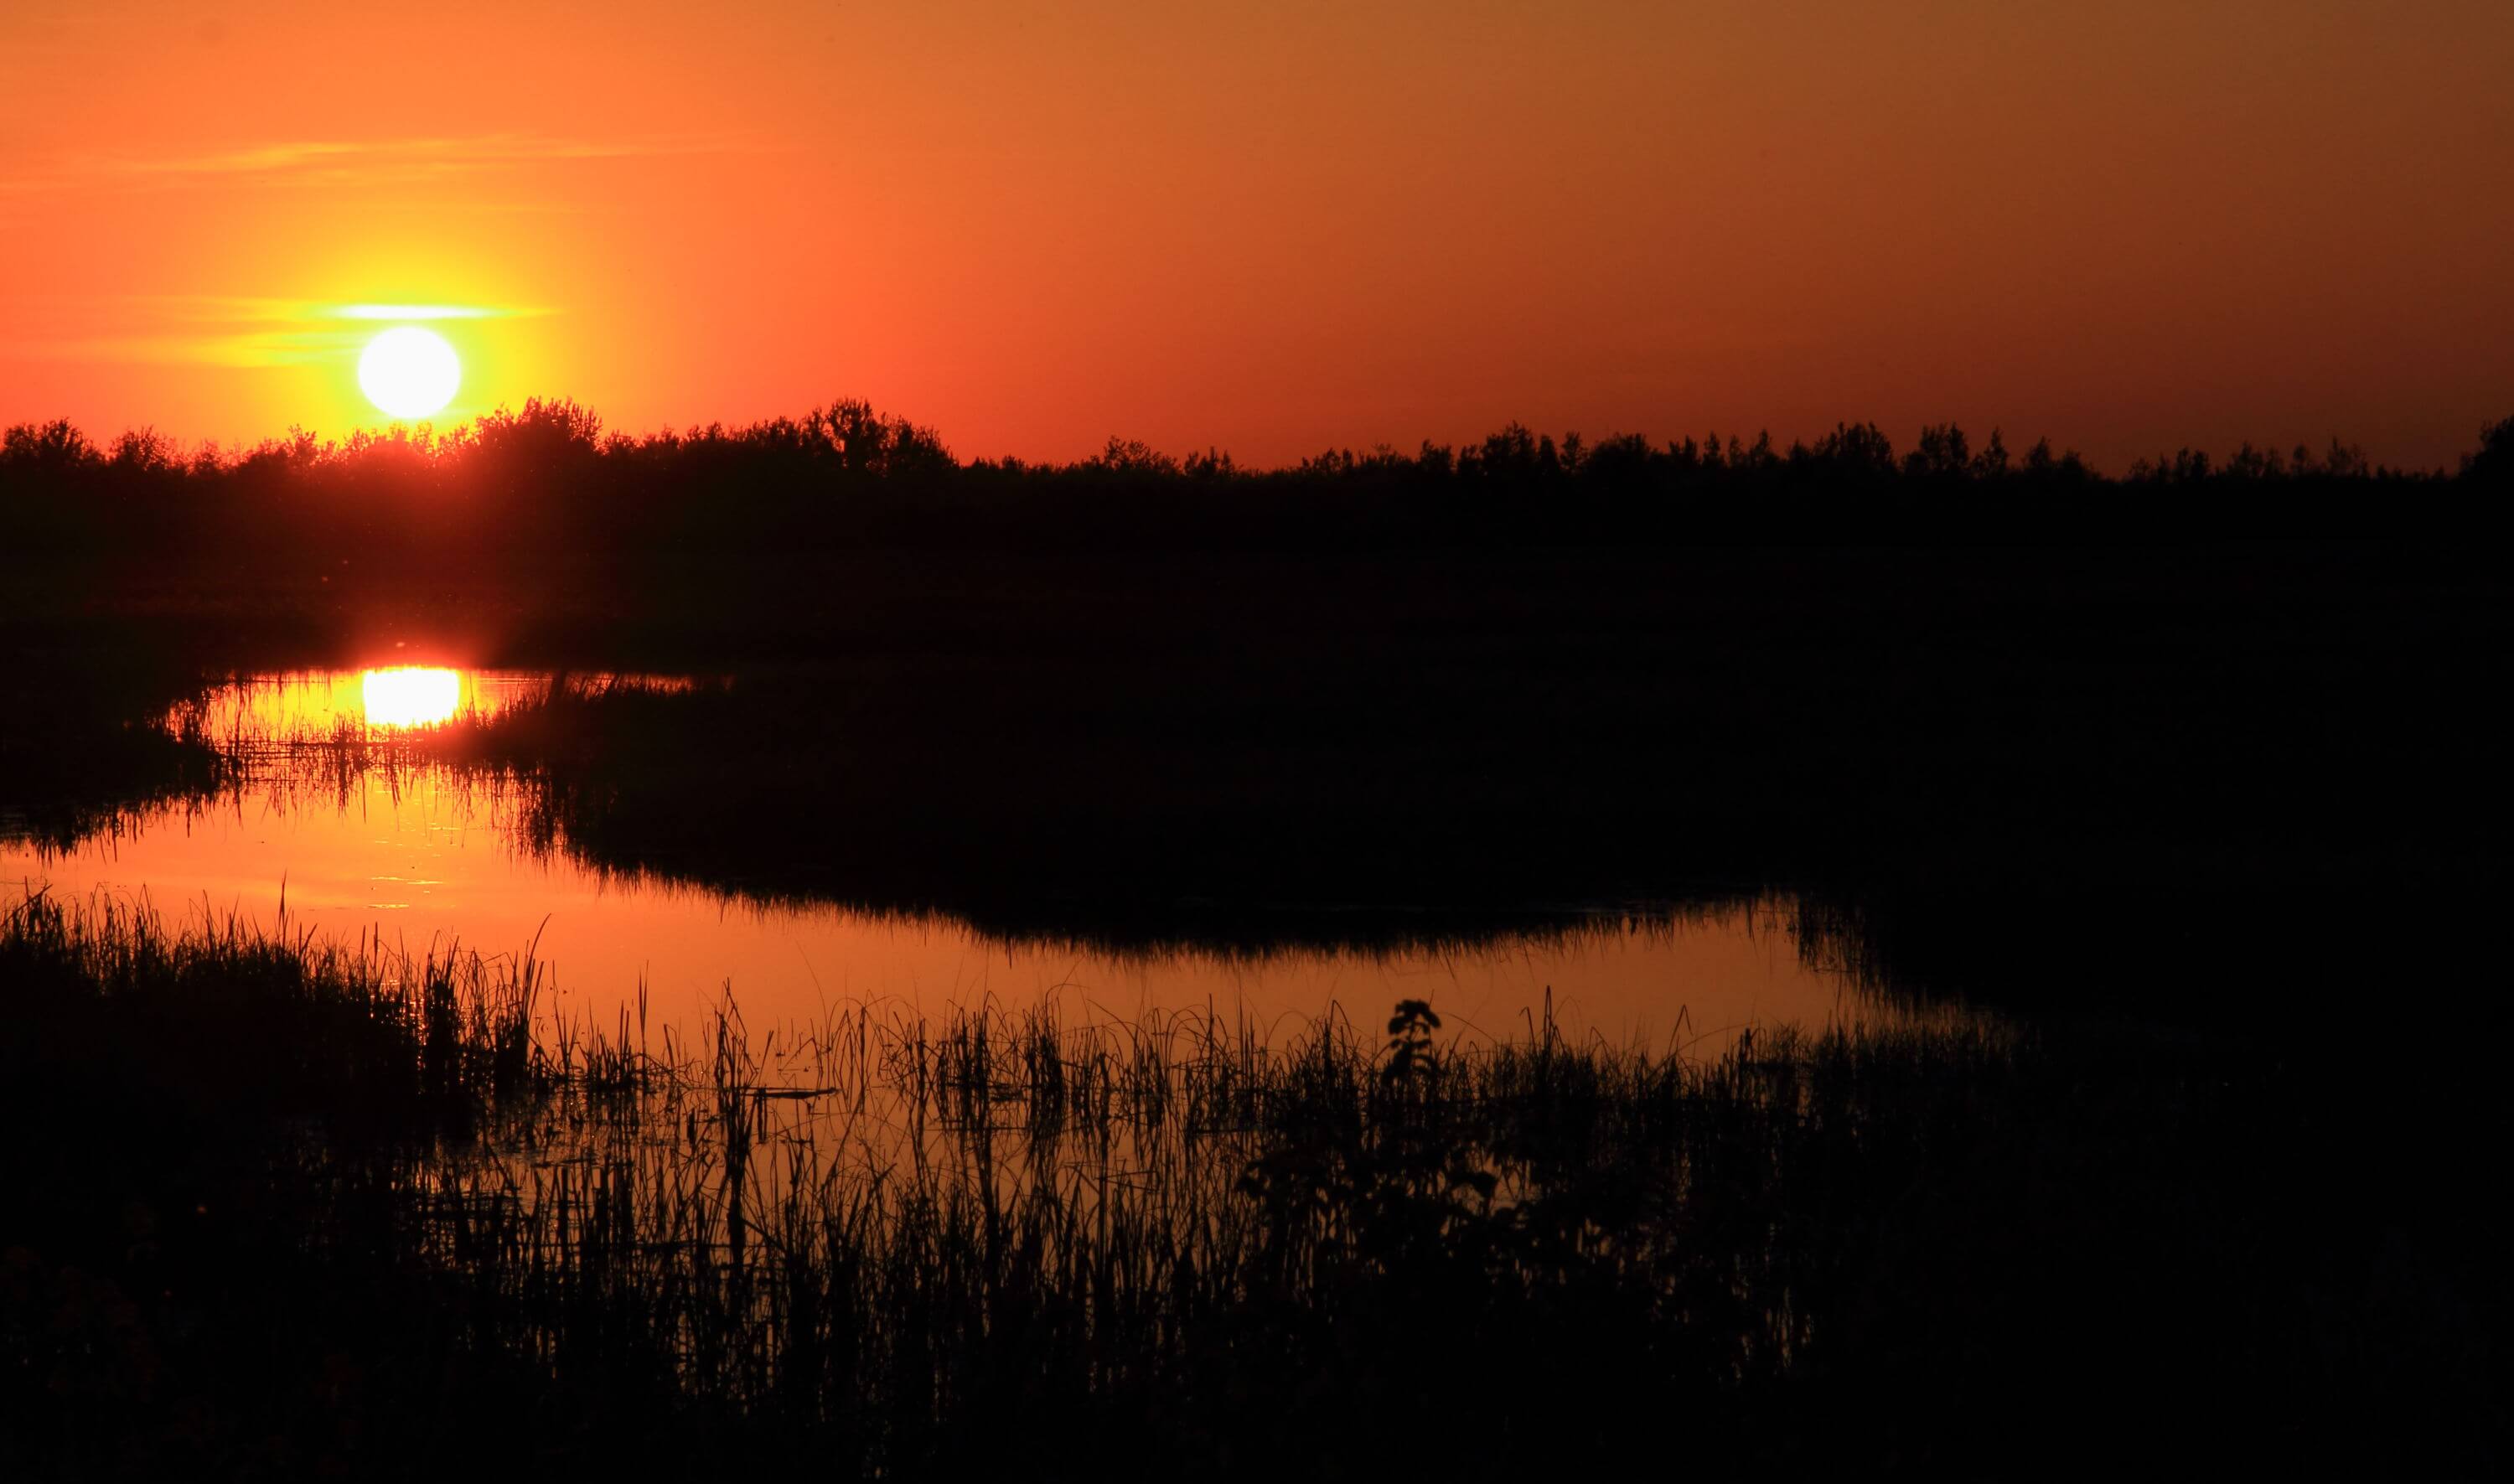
(441, 850)
(315, 706)
(410, 695)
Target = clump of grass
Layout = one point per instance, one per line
(363, 1034)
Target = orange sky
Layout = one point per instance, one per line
(1279, 226)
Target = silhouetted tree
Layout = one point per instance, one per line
(548, 442)
(2255, 464)
(1856, 451)
(1992, 461)
(2494, 462)
(146, 451)
(1133, 455)
(1212, 467)
(54, 447)
(1619, 461)
(1507, 455)
(1943, 454)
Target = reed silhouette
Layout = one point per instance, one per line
(340, 1210)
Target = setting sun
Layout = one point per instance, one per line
(724, 729)
(409, 373)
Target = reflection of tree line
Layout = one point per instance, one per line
(1952, 807)
(533, 774)
(552, 472)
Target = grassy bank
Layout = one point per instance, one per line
(305, 1208)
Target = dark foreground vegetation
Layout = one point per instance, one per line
(335, 1213)
(2197, 770)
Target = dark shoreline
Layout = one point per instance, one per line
(2195, 812)
(2146, 754)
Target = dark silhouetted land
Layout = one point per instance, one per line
(2185, 768)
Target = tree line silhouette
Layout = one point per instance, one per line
(550, 474)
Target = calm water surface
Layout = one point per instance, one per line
(425, 859)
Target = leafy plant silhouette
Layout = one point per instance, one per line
(1391, 1195)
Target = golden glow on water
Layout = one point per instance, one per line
(422, 863)
(410, 696)
(423, 859)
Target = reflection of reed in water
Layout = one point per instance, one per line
(255, 713)
(865, 1237)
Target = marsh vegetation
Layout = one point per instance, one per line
(2165, 824)
(903, 1247)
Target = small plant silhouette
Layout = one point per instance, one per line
(1409, 1045)
(1414, 1206)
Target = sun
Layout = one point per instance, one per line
(409, 373)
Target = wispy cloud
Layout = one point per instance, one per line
(353, 162)
(427, 311)
(263, 348)
(238, 330)
(243, 309)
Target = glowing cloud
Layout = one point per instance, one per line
(422, 311)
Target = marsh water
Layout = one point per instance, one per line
(426, 857)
